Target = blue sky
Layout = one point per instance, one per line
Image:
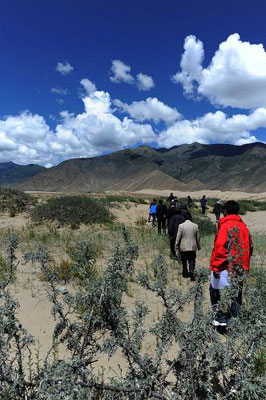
(131, 52)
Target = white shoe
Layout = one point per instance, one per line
(218, 323)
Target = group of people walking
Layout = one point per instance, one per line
(232, 246)
(183, 233)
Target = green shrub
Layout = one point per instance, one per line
(15, 201)
(206, 226)
(72, 210)
(83, 258)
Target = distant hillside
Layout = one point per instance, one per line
(12, 174)
(188, 167)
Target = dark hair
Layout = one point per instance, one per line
(160, 202)
(232, 207)
(187, 215)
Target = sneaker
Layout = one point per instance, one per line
(218, 323)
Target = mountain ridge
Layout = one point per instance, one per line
(188, 166)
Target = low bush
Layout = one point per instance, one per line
(72, 210)
(15, 201)
(206, 226)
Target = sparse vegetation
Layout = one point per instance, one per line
(189, 360)
(72, 210)
(105, 310)
(15, 201)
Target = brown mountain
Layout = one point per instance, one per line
(192, 167)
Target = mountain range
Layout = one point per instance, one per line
(189, 167)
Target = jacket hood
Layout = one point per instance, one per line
(232, 217)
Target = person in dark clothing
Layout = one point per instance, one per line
(174, 223)
(170, 198)
(170, 212)
(189, 202)
(203, 203)
(218, 208)
(184, 211)
(161, 214)
(176, 201)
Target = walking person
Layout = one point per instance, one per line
(161, 214)
(174, 223)
(230, 260)
(218, 208)
(170, 198)
(189, 202)
(152, 212)
(170, 212)
(203, 204)
(188, 242)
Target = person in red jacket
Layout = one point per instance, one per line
(230, 258)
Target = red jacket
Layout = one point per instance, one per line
(232, 244)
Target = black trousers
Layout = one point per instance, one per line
(172, 245)
(218, 216)
(203, 209)
(234, 308)
(161, 225)
(188, 258)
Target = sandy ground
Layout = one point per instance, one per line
(209, 193)
(34, 312)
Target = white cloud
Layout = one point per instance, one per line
(26, 138)
(150, 109)
(64, 68)
(215, 127)
(145, 82)
(88, 85)
(236, 75)
(121, 72)
(191, 68)
(60, 91)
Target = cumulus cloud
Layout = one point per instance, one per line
(88, 85)
(60, 91)
(26, 138)
(236, 75)
(144, 82)
(121, 72)
(191, 68)
(64, 68)
(150, 109)
(215, 127)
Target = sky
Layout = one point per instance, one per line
(87, 77)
